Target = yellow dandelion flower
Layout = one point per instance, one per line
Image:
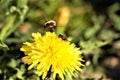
(50, 51)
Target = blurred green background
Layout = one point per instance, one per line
(93, 25)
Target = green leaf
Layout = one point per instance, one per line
(116, 21)
(107, 34)
(3, 46)
(22, 3)
(12, 63)
(92, 44)
(114, 17)
(20, 72)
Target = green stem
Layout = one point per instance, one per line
(15, 26)
(6, 27)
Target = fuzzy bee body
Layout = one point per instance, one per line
(50, 24)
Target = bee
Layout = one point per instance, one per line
(50, 25)
(62, 37)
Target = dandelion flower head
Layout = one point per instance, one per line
(50, 52)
